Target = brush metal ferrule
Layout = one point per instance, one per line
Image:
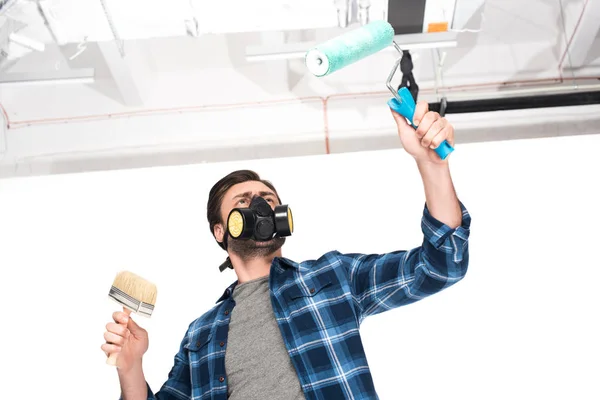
(136, 306)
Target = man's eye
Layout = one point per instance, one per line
(242, 201)
(271, 200)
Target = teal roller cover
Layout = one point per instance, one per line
(406, 108)
(349, 48)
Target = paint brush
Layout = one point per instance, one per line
(135, 294)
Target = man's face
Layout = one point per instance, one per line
(240, 196)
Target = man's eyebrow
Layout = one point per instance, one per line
(249, 194)
(242, 195)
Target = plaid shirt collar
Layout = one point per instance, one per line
(285, 262)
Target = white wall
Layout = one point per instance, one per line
(520, 326)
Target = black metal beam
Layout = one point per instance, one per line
(517, 103)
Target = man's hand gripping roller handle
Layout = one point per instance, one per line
(406, 108)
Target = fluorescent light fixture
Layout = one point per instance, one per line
(289, 51)
(27, 42)
(81, 76)
(428, 45)
(46, 82)
(282, 55)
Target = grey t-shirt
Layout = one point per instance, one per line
(257, 363)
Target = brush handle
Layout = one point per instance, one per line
(112, 359)
(406, 108)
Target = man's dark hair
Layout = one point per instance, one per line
(215, 197)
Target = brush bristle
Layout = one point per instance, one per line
(136, 287)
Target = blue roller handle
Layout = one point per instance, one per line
(407, 110)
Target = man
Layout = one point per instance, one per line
(290, 331)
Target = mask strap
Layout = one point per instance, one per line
(225, 265)
(224, 243)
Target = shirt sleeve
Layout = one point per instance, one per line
(177, 386)
(381, 282)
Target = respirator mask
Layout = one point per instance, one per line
(259, 222)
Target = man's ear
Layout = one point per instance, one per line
(219, 232)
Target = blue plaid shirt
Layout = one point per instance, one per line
(319, 306)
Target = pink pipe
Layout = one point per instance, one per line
(324, 100)
(562, 58)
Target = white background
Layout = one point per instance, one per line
(523, 324)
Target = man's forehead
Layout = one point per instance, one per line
(250, 186)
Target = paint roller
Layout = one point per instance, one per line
(356, 45)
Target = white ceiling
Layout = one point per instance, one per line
(503, 44)
(516, 36)
(518, 40)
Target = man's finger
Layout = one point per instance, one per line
(445, 134)
(426, 123)
(113, 338)
(133, 327)
(116, 328)
(421, 109)
(108, 348)
(397, 117)
(433, 132)
(120, 317)
(404, 128)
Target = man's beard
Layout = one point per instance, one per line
(249, 248)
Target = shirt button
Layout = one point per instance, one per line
(222, 344)
(312, 290)
(226, 312)
(221, 379)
